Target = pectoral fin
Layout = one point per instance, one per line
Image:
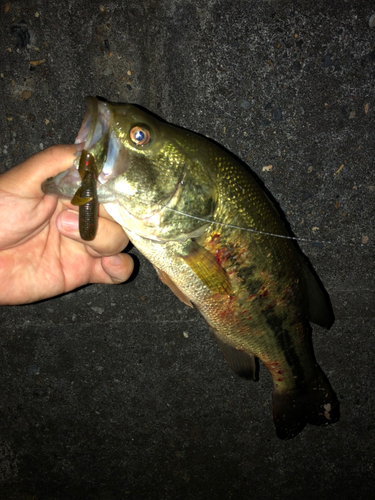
(242, 363)
(204, 265)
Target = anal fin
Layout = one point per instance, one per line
(242, 363)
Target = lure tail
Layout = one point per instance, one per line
(314, 404)
(86, 197)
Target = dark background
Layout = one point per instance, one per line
(119, 392)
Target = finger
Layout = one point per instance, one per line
(109, 240)
(118, 268)
(26, 178)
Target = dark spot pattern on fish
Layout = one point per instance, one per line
(282, 338)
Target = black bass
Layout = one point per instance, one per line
(218, 242)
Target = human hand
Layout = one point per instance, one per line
(41, 252)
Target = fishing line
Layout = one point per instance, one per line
(232, 226)
(225, 224)
(256, 231)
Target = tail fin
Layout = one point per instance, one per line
(315, 404)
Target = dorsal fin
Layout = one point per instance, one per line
(320, 308)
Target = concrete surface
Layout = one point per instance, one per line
(119, 392)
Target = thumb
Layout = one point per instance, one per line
(26, 178)
(118, 267)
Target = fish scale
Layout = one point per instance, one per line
(189, 207)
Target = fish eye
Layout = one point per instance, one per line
(140, 135)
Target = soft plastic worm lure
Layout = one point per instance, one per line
(86, 197)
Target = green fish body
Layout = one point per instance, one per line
(208, 227)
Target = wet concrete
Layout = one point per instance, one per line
(119, 392)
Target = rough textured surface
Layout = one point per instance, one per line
(104, 396)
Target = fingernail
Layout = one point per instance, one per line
(69, 221)
(115, 260)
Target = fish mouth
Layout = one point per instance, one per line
(95, 123)
(95, 136)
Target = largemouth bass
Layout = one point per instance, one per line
(218, 242)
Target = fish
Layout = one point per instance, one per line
(216, 238)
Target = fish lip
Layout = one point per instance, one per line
(64, 184)
(97, 126)
(95, 122)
